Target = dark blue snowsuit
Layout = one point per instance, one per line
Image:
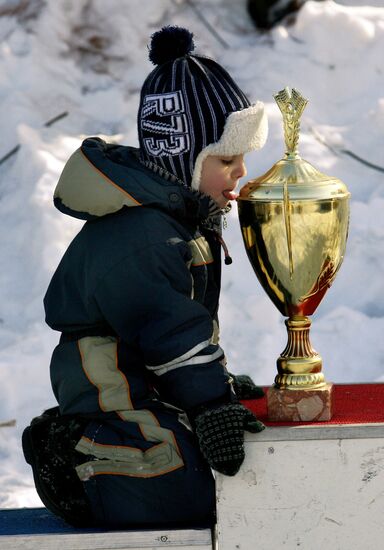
(135, 298)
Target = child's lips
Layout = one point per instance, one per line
(230, 195)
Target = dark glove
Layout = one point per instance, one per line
(220, 433)
(245, 388)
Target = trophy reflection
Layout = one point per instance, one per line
(294, 222)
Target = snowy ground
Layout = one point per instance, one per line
(88, 58)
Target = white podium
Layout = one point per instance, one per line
(308, 488)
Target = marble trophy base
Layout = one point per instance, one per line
(300, 405)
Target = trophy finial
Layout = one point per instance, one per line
(291, 104)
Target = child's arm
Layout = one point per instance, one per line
(146, 299)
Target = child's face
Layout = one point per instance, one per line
(220, 176)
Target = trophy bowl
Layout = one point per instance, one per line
(294, 221)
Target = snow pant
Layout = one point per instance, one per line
(179, 498)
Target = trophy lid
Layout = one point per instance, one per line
(292, 174)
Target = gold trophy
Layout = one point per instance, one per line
(294, 222)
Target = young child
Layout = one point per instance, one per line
(146, 405)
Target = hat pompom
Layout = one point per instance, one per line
(170, 43)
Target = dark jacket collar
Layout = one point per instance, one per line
(101, 178)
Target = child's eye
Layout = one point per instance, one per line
(227, 162)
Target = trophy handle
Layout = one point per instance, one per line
(299, 365)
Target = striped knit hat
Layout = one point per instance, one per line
(191, 108)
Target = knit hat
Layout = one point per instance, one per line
(191, 108)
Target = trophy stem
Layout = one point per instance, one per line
(299, 365)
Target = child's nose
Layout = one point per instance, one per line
(239, 169)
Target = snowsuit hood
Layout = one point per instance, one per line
(101, 178)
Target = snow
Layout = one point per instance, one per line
(88, 59)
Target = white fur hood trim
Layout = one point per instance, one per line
(244, 131)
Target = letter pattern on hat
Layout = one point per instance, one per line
(164, 115)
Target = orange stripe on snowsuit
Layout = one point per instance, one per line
(97, 354)
(107, 379)
(157, 474)
(108, 180)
